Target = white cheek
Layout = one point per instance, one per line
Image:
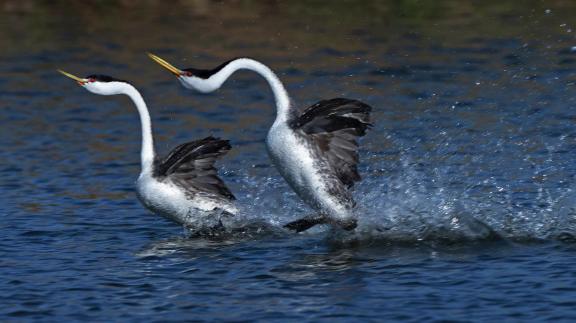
(192, 83)
(185, 83)
(95, 88)
(100, 88)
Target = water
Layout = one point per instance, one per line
(468, 195)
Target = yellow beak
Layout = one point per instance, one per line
(75, 78)
(165, 64)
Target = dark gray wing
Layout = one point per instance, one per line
(332, 127)
(191, 166)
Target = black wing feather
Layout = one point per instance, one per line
(191, 165)
(333, 127)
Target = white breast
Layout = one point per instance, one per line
(297, 165)
(168, 200)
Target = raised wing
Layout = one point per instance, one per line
(191, 165)
(332, 127)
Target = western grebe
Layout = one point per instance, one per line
(316, 150)
(183, 186)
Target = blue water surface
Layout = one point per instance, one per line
(467, 204)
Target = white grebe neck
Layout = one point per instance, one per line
(281, 97)
(147, 153)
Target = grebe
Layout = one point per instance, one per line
(183, 186)
(316, 150)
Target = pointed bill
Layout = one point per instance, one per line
(165, 64)
(75, 78)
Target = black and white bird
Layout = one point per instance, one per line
(316, 150)
(183, 186)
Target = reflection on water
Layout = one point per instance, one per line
(467, 203)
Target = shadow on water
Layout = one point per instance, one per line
(472, 235)
(192, 241)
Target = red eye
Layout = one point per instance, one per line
(91, 80)
(188, 73)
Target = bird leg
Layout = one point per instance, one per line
(309, 221)
(306, 223)
(348, 225)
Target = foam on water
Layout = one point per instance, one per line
(412, 205)
(446, 191)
